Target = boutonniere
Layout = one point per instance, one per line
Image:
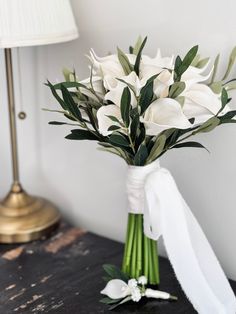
(121, 289)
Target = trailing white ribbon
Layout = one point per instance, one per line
(152, 191)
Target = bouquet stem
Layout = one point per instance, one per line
(140, 254)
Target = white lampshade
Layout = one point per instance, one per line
(35, 22)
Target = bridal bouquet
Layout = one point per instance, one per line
(138, 108)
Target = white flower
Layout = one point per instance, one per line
(116, 289)
(151, 66)
(115, 91)
(132, 283)
(200, 103)
(136, 294)
(104, 122)
(142, 280)
(162, 83)
(163, 114)
(196, 75)
(97, 84)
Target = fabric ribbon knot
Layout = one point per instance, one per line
(152, 192)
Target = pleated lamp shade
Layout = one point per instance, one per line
(36, 22)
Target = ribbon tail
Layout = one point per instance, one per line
(192, 258)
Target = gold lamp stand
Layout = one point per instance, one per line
(23, 217)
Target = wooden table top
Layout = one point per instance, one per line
(63, 275)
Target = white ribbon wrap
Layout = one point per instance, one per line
(152, 191)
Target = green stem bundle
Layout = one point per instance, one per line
(140, 255)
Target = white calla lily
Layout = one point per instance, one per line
(195, 75)
(116, 289)
(115, 92)
(163, 114)
(97, 84)
(151, 66)
(104, 122)
(200, 103)
(162, 83)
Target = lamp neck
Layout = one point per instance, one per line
(12, 117)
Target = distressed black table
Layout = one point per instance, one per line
(62, 274)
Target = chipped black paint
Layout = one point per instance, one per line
(68, 280)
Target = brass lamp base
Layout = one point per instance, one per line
(24, 218)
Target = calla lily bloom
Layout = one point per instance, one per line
(163, 114)
(116, 289)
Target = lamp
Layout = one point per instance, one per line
(28, 23)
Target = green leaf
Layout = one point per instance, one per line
(216, 87)
(228, 116)
(108, 300)
(78, 134)
(114, 272)
(137, 45)
(119, 140)
(141, 155)
(114, 150)
(72, 107)
(134, 127)
(231, 62)
(224, 98)
(131, 49)
(178, 63)
(176, 89)
(196, 60)
(127, 299)
(124, 61)
(181, 67)
(56, 96)
(67, 74)
(113, 128)
(208, 126)
(138, 58)
(69, 85)
(125, 106)
(181, 100)
(230, 85)
(228, 121)
(157, 148)
(146, 96)
(114, 119)
(129, 85)
(190, 144)
(215, 68)
(141, 136)
(202, 63)
(57, 123)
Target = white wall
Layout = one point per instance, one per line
(88, 185)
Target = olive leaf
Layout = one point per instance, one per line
(208, 126)
(182, 66)
(190, 144)
(137, 45)
(216, 87)
(124, 61)
(231, 85)
(125, 106)
(146, 96)
(176, 89)
(215, 68)
(67, 74)
(157, 148)
(231, 62)
(78, 134)
(138, 58)
(141, 155)
(201, 63)
(119, 140)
